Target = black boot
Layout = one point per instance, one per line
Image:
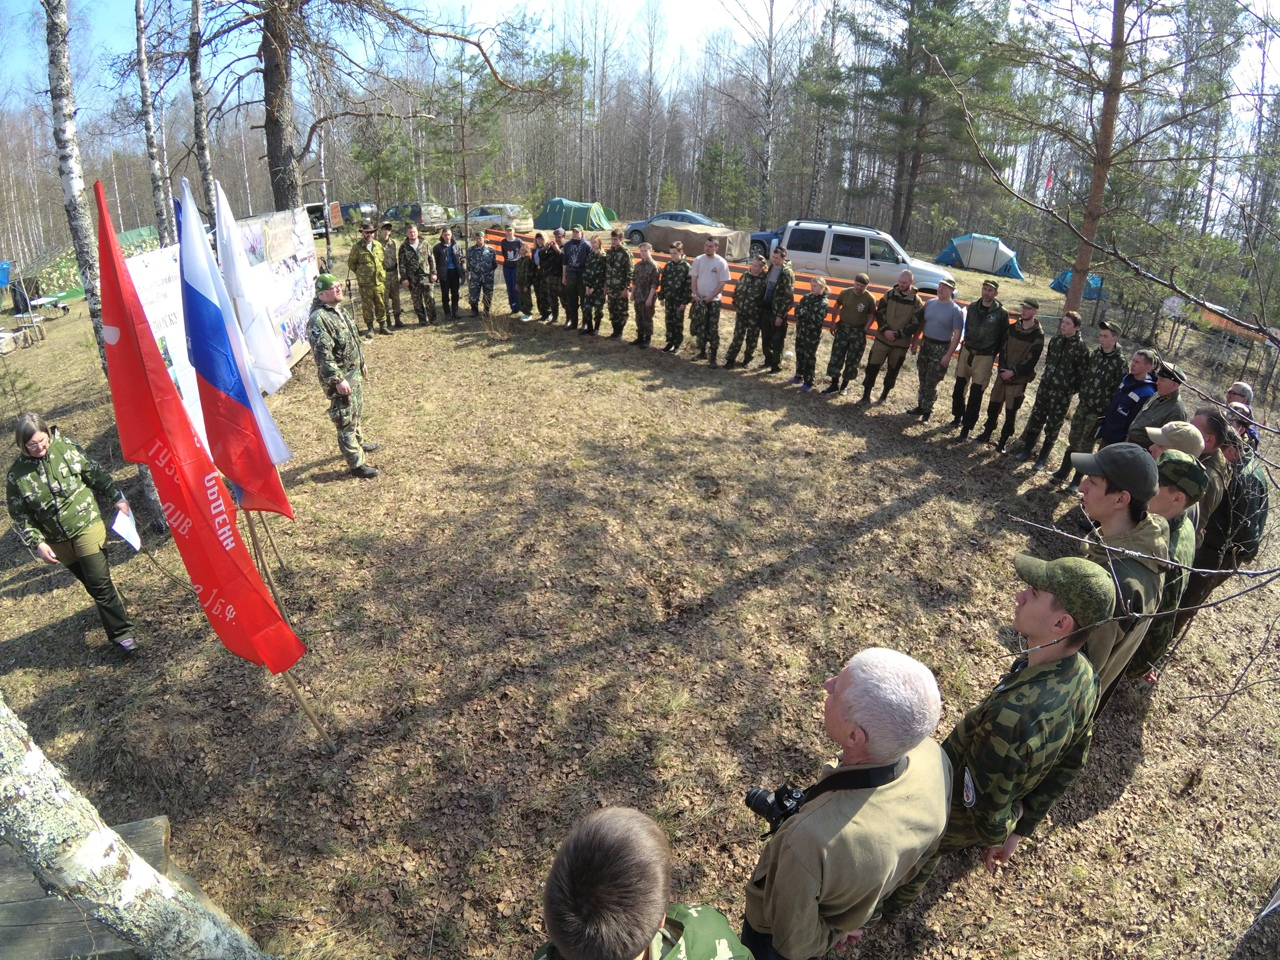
(890, 378)
(869, 382)
(973, 407)
(833, 386)
(1045, 449)
(1007, 432)
(1074, 485)
(1027, 443)
(957, 401)
(711, 356)
(1063, 471)
(988, 428)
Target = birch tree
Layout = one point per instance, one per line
(149, 126)
(57, 832)
(199, 109)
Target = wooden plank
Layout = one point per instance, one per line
(34, 926)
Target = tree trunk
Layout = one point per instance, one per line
(199, 111)
(62, 99)
(149, 126)
(277, 85)
(59, 835)
(1102, 156)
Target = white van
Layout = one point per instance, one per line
(843, 250)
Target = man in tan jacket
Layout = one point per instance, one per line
(823, 874)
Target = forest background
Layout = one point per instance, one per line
(1151, 124)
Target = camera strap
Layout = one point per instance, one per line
(863, 779)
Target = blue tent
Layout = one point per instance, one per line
(1092, 290)
(977, 252)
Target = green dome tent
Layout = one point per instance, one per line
(560, 212)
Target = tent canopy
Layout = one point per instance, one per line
(1092, 289)
(559, 212)
(975, 251)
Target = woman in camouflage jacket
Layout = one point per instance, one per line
(50, 490)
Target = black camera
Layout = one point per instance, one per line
(775, 806)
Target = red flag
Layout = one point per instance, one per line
(1048, 181)
(155, 430)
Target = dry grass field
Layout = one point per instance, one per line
(593, 575)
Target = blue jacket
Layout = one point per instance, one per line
(1126, 403)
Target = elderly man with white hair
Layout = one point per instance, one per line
(867, 825)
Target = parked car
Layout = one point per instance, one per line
(492, 216)
(425, 213)
(355, 212)
(764, 241)
(843, 250)
(635, 229)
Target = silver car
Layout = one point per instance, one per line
(843, 250)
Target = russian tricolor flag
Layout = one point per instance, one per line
(236, 419)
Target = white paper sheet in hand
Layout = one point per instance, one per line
(126, 529)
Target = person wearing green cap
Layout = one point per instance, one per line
(1065, 362)
(367, 259)
(1183, 479)
(1130, 543)
(335, 347)
(1016, 752)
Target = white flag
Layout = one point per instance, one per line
(266, 347)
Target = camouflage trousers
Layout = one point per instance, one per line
(424, 302)
(346, 414)
(593, 309)
(525, 300)
(959, 836)
(478, 287)
(391, 295)
(1084, 424)
(1047, 414)
(846, 352)
(549, 297)
(673, 315)
(808, 336)
(931, 371)
(704, 324)
(619, 309)
(746, 330)
(372, 305)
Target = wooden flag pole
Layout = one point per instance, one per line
(271, 539)
(289, 681)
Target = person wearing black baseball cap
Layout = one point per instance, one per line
(1119, 481)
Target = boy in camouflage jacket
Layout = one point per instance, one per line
(1065, 364)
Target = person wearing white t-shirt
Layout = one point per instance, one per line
(707, 277)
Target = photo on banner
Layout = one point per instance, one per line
(282, 263)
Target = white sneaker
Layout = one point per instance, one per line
(127, 644)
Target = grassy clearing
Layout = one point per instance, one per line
(591, 574)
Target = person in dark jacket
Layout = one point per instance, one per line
(1135, 389)
(451, 268)
(986, 324)
(1016, 367)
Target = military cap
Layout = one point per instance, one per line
(860, 278)
(1031, 302)
(1108, 325)
(366, 225)
(1084, 588)
(325, 281)
(1178, 435)
(388, 225)
(1183, 472)
(949, 283)
(1126, 465)
(993, 284)
(1171, 371)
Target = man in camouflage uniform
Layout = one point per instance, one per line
(335, 346)
(526, 281)
(1016, 752)
(593, 277)
(417, 274)
(748, 308)
(942, 323)
(391, 262)
(676, 292)
(366, 259)
(1066, 361)
(1183, 479)
(1107, 367)
(854, 307)
(482, 262)
(1165, 407)
(986, 324)
(617, 282)
(898, 315)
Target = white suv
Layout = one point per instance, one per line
(844, 250)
